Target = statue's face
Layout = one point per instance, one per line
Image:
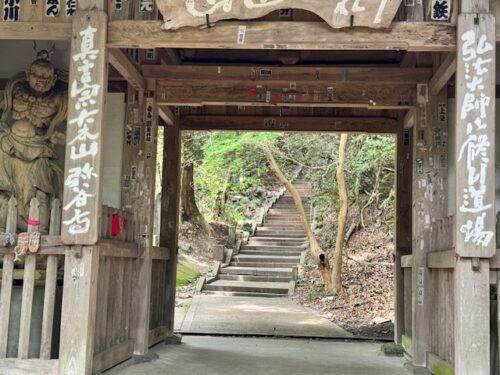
(41, 78)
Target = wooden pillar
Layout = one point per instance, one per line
(475, 185)
(145, 205)
(429, 204)
(170, 213)
(403, 223)
(82, 198)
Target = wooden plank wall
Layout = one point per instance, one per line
(158, 301)
(113, 339)
(442, 300)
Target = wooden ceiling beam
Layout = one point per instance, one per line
(443, 74)
(377, 125)
(409, 36)
(127, 69)
(285, 75)
(248, 93)
(35, 31)
(166, 115)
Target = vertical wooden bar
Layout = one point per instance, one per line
(78, 312)
(403, 223)
(88, 86)
(421, 230)
(28, 288)
(170, 213)
(5, 296)
(48, 307)
(142, 292)
(7, 273)
(475, 193)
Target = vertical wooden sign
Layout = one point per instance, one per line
(87, 90)
(475, 136)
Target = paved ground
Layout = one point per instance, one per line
(256, 316)
(241, 356)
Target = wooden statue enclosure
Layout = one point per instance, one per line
(422, 71)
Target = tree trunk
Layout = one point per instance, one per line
(339, 244)
(189, 209)
(320, 257)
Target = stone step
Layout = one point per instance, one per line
(271, 252)
(255, 278)
(284, 227)
(276, 243)
(257, 271)
(288, 240)
(261, 264)
(291, 259)
(248, 286)
(282, 234)
(276, 248)
(241, 294)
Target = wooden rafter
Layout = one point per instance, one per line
(248, 75)
(127, 69)
(411, 36)
(443, 74)
(35, 31)
(385, 125)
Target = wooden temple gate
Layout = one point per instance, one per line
(109, 294)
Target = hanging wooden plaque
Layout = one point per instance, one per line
(337, 13)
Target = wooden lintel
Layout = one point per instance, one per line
(35, 30)
(384, 125)
(410, 36)
(127, 69)
(311, 94)
(445, 71)
(166, 115)
(285, 75)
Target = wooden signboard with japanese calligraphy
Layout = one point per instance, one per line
(475, 136)
(37, 10)
(337, 13)
(87, 90)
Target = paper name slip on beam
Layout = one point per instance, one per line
(337, 13)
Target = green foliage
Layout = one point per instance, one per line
(231, 171)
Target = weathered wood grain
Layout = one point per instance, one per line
(375, 125)
(284, 75)
(410, 36)
(48, 307)
(333, 94)
(82, 197)
(337, 13)
(475, 176)
(5, 297)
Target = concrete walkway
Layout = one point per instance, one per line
(210, 314)
(241, 356)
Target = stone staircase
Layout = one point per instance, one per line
(264, 267)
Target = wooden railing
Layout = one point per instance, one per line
(26, 269)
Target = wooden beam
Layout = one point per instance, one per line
(127, 69)
(321, 94)
(443, 74)
(383, 125)
(441, 259)
(166, 115)
(285, 75)
(35, 31)
(410, 36)
(170, 215)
